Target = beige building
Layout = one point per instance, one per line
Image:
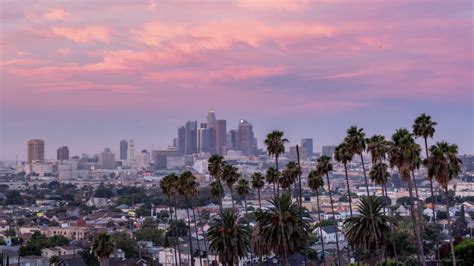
(35, 150)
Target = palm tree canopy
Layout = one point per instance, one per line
(243, 187)
(215, 165)
(379, 173)
(257, 181)
(217, 190)
(424, 126)
(342, 153)
(359, 229)
(324, 165)
(404, 153)
(187, 184)
(355, 139)
(275, 142)
(228, 236)
(315, 180)
(281, 226)
(102, 245)
(443, 164)
(168, 184)
(289, 175)
(272, 175)
(230, 175)
(377, 146)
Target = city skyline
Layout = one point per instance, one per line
(80, 79)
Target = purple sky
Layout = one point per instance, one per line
(87, 74)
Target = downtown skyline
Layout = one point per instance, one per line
(80, 79)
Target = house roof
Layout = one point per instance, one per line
(329, 229)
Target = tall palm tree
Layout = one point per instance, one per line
(343, 155)
(102, 246)
(379, 175)
(275, 143)
(283, 230)
(324, 166)
(258, 183)
(357, 228)
(356, 143)
(217, 190)
(315, 183)
(167, 185)
(425, 127)
(272, 176)
(444, 165)
(215, 167)
(229, 237)
(230, 175)
(401, 156)
(243, 189)
(186, 186)
(289, 175)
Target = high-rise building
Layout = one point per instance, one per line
(160, 158)
(143, 159)
(107, 159)
(211, 118)
(294, 154)
(191, 138)
(221, 136)
(245, 138)
(307, 146)
(203, 138)
(181, 141)
(131, 153)
(328, 151)
(123, 150)
(232, 139)
(63, 153)
(35, 150)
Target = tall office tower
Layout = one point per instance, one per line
(328, 151)
(191, 138)
(143, 159)
(131, 153)
(221, 135)
(63, 153)
(232, 139)
(245, 138)
(160, 158)
(123, 150)
(35, 150)
(181, 141)
(107, 159)
(294, 154)
(211, 118)
(307, 146)
(203, 138)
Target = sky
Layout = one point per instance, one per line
(87, 74)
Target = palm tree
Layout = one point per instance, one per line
(229, 237)
(243, 189)
(215, 167)
(102, 247)
(357, 228)
(217, 190)
(272, 177)
(355, 141)
(186, 187)
(167, 185)
(343, 155)
(401, 156)
(281, 228)
(444, 165)
(230, 176)
(379, 175)
(324, 167)
(258, 183)
(315, 183)
(275, 145)
(424, 127)
(289, 175)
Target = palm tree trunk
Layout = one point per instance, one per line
(433, 199)
(196, 233)
(259, 200)
(177, 233)
(335, 221)
(320, 228)
(190, 234)
(449, 227)
(171, 222)
(301, 204)
(421, 256)
(248, 225)
(420, 216)
(278, 173)
(204, 235)
(348, 189)
(371, 211)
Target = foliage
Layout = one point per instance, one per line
(102, 246)
(150, 232)
(39, 241)
(465, 252)
(89, 258)
(13, 197)
(123, 241)
(103, 192)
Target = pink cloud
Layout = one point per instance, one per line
(83, 34)
(279, 5)
(56, 14)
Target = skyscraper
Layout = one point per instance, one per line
(35, 150)
(211, 118)
(131, 153)
(191, 138)
(221, 136)
(181, 141)
(107, 159)
(307, 146)
(232, 139)
(245, 138)
(63, 153)
(203, 138)
(123, 150)
(328, 151)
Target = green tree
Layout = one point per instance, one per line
(54, 260)
(13, 197)
(344, 155)
(123, 241)
(228, 237)
(465, 252)
(102, 246)
(275, 143)
(271, 177)
(258, 183)
(89, 258)
(230, 176)
(168, 186)
(243, 189)
(315, 183)
(215, 168)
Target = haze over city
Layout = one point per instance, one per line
(81, 74)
